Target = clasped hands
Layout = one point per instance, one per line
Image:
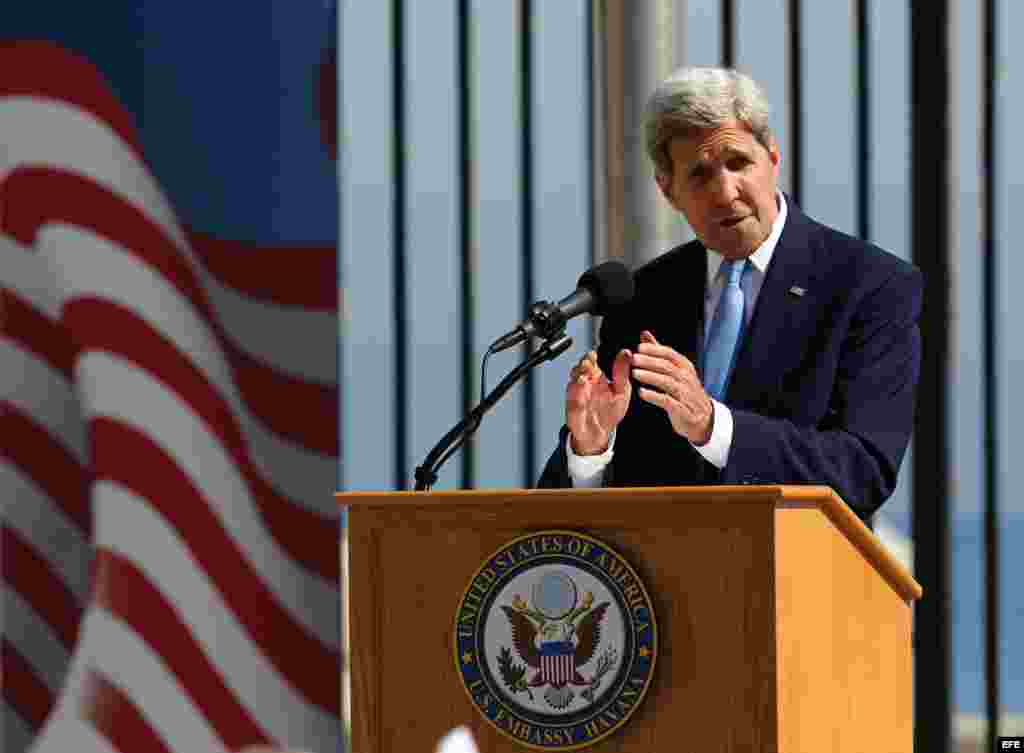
(595, 405)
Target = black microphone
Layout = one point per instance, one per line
(606, 285)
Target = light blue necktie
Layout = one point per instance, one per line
(726, 330)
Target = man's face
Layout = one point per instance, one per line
(724, 181)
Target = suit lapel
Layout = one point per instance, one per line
(774, 341)
(682, 286)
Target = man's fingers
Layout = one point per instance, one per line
(620, 370)
(586, 369)
(662, 351)
(654, 363)
(648, 337)
(664, 383)
(678, 366)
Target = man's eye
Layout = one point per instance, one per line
(738, 163)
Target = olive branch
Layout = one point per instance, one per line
(514, 675)
(604, 666)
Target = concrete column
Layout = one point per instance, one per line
(637, 47)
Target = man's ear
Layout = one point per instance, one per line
(665, 184)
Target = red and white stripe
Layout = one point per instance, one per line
(173, 428)
(558, 669)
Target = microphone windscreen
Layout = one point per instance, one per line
(611, 283)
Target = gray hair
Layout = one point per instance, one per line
(693, 99)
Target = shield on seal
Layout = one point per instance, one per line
(557, 663)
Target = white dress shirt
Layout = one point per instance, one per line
(588, 470)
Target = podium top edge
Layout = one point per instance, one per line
(783, 497)
(754, 493)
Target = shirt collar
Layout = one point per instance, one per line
(763, 255)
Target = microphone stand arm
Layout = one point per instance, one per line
(426, 474)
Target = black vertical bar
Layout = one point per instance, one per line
(526, 240)
(990, 376)
(337, 18)
(598, 235)
(796, 100)
(588, 52)
(464, 169)
(930, 160)
(399, 265)
(588, 63)
(863, 11)
(729, 33)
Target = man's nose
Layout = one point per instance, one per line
(724, 189)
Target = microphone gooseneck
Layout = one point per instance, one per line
(600, 289)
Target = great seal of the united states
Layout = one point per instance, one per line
(555, 640)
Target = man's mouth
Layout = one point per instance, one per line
(732, 221)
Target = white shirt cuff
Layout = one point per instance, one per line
(716, 451)
(587, 471)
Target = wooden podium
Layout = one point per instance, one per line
(783, 623)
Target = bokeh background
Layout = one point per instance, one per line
(369, 193)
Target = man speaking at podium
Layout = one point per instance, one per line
(770, 350)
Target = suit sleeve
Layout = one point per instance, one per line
(858, 447)
(556, 472)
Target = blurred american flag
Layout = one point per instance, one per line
(168, 452)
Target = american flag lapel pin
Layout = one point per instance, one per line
(797, 291)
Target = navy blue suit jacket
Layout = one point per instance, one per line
(822, 390)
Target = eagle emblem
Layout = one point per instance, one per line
(555, 640)
(556, 636)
